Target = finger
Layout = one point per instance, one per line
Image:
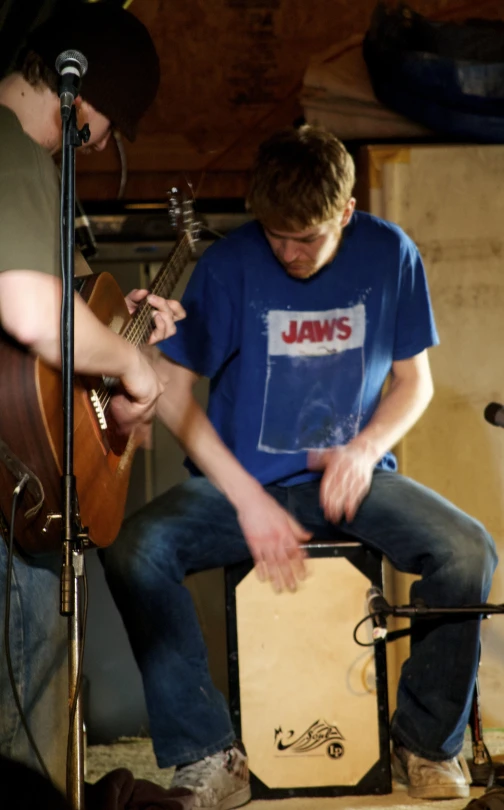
(300, 534)
(333, 494)
(297, 558)
(275, 577)
(158, 302)
(170, 306)
(290, 562)
(350, 512)
(261, 571)
(286, 572)
(334, 508)
(163, 327)
(326, 497)
(355, 502)
(127, 413)
(273, 571)
(352, 503)
(137, 295)
(133, 298)
(177, 309)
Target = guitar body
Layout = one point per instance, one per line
(31, 421)
(31, 424)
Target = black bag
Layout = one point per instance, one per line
(491, 800)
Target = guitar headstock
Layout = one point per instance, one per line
(181, 213)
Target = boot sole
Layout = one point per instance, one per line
(432, 792)
(236, 799)
(439, 792)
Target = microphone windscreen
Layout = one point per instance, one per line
(494, 413)
(73, 59)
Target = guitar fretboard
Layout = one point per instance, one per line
(141, 325)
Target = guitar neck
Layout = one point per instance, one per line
(141, 325)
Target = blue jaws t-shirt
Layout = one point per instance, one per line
(294, 364)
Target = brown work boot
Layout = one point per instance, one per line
(426, 779)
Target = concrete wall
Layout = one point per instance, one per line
(450, 200)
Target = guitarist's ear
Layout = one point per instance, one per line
(79, 101)
(81, 109)
(99, 126)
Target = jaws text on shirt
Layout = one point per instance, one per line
(301, 334)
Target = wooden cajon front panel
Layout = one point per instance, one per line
(308, 693)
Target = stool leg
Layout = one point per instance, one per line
(481, 766)
(478, 746)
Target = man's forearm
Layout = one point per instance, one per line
(398, 411)
(183, 416)
(30, 311)
(97, 349)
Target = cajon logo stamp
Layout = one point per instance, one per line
(318, 734)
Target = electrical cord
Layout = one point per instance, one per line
(124, 163)
(426, 614)
(78, 679)
(10, 560)
(356, 629)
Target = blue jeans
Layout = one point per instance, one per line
(192, 527)
(38, 645)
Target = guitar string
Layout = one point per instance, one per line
(142, 324)
(139, 329)
(142, 320)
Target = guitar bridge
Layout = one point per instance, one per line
(100, 413)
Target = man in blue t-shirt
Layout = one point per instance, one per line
(298, 318)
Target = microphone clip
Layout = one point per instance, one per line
(378, 609)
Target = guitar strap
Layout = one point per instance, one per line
(18, 469)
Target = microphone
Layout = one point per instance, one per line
(378, 607)
(71, 66)
(494, 413)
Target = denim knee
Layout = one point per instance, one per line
(138, 559)
(478, 556)
(469, 559)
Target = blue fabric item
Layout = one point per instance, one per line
(458, 123)
(446, 76)
(466, 86)
(300, 364)
(193, 527)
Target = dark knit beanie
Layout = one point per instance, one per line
(123, 67)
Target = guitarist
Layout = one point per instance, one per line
(120, 84)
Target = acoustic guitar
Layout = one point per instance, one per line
(31, 421)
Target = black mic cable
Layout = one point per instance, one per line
(8, 657)
(71, 66)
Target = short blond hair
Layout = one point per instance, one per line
(301, 177)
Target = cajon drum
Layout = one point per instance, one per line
(309, 703)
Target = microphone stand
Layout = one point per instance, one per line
(481, 764)
(73, 537)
